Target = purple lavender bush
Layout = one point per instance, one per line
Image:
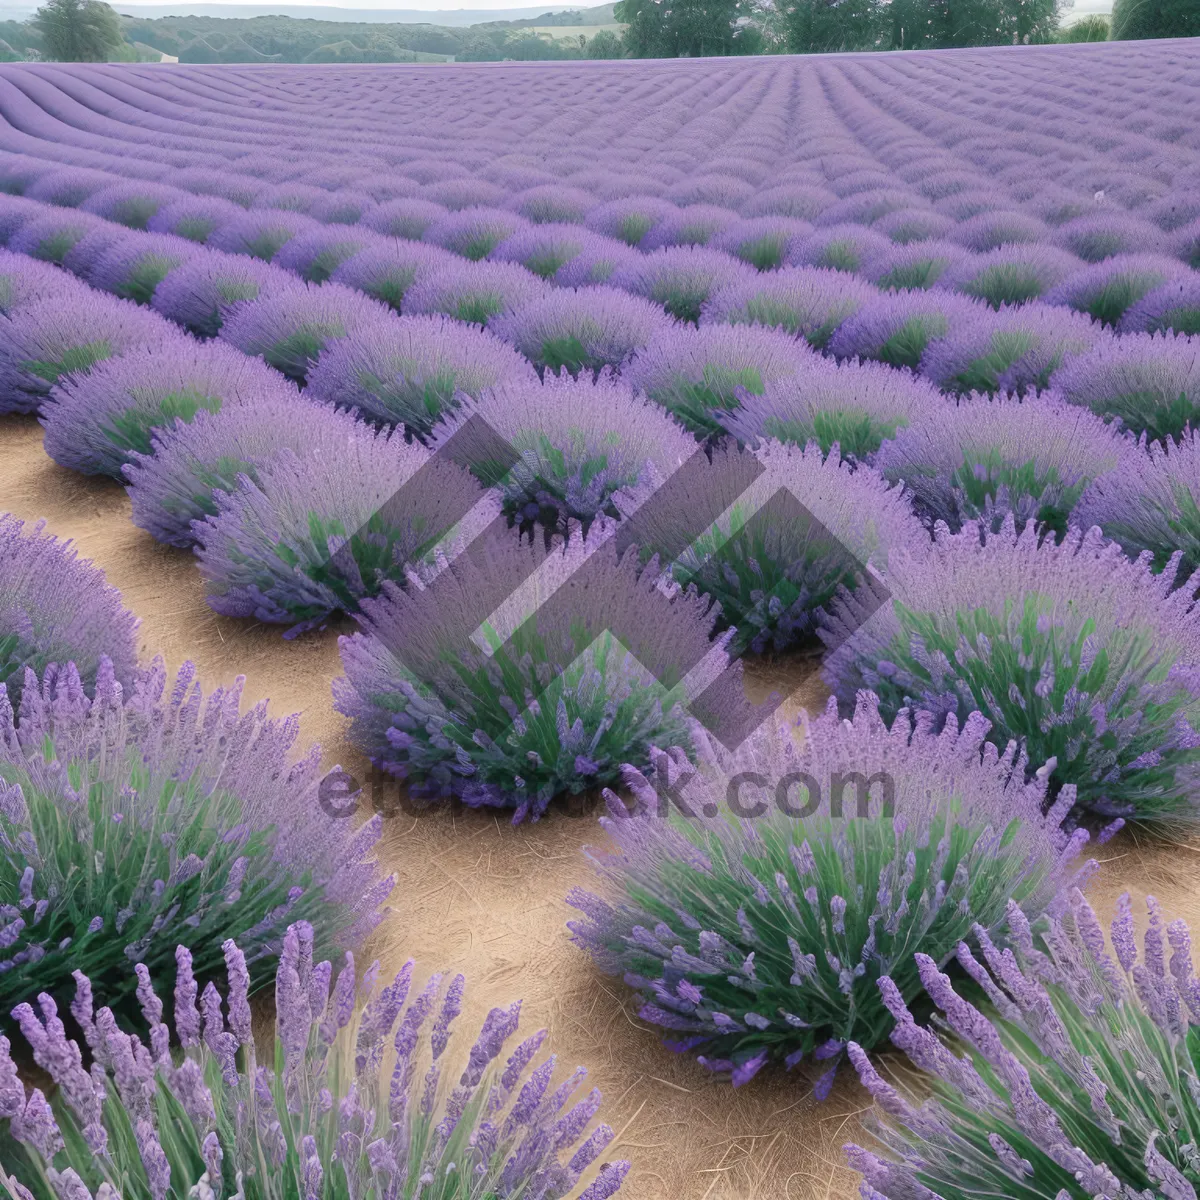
(897, 327)
(190, 464)
(95, 422)
(1149, 383)
(553, 203)
(404, 218)
(763, 242)
(194, 218)
(1107, 290)
(414, 370)
(475, 292)
(1173, 306)
(569, 693)
(598, 259)
(913, 265)
(852, 405)
(386, 271)
(261, 233)
(319, 531)
(803, 532)
(52, 233)
(1151, 503)
(25, 281)
(1010, 350)
(906, 226)
(1107, 232)
(629, 218)
(695, 225)
(1012, 275)
(315, 255)
(804, 301)
(198, 293)
(68, 334)
(131, 203)
(580, 440)
(135, 266)
(322, 1119)
(195, 826)
(474, 233)
(840, 248)
(1038, 1085)
(681, 278)
(1086, 659)
(544, 249)
(985, 458)
(289, 327)
(698, 374)
(585, 329)
(758, 931)
(56, 608)
(991, 230)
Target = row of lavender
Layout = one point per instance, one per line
(748, 941)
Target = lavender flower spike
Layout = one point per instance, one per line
(758, 927)
(1046, 1036)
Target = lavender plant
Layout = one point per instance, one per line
(319, 531)
(693, 225)
(755, 922)
(288, 327)
(474, 233)
(580, 440)
(846, 248)
(68, 334)
(1012, 275)
(1086, 659)
(316, 254)
(96, 422)
(854, 406)
(985, 458)
(404, 218)
(57, 608)
(803, 301)
(24, 281)
(763, 242)
(189, 465)
(322, 1119)
(580, 330)
(198, 293)
(1102, 234)
(131, 203)
(699, 374)
(897, 327)
(1149, 383)
(386, 272)
(194, 218)
(260, 233)
(50, 234)
(806, 529)
(1107, 290)
(135, 821)
(913, 265)
(414, 371)
(135, 266)
(1173, 306)
(562, 695)
(629, 218)
(475, 292)
(1067, 1072)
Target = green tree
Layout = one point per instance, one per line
(78, 30)
(679, 28)
(1155, 19)
(604, 44)
(942, 24)
(827, 26)
(1092, 28)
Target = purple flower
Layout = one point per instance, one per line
(290, 327)
(1011, 350)
(260, 233)
(1012, 274)
(413, 371)
(581, 330)
(990, 230)
(553, 203)
(50, 235)
(197, 294)
(1109, 231)
(717, 188)
(316, 532)
(1151, 384)
(404, 218)
(629, 218)
(695, 374)
(342, 206)
(984, 458)
(167, 759)
(457, 194)
(194, 217)
(695, 225)
(316, 254)
(189, 464)
(131, 204)
(855, 405)
(785, 968)
(68, 334)
(544, 249)
(386, 271)
(798, 200)
(476, 292)
(579, 441)
(1036, 635)
(96, 422)
(1172, 306)
(68, 187)
(804, 301)
(682, 278)
(474, 232)
(25, 281)
(845, 248)
(1107, 290)
(916, 265)
(906, 226)
(763, 242)
(1042, 1025)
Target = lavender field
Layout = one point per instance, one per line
(522, 432)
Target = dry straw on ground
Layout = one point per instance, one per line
(478, 896)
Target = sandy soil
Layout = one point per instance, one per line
(476, 895)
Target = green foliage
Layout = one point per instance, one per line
(940, 24)
(604, 44)
(827, 26)
(78, 30)
(1092, 28)
(685, 28)
(1155, 19)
